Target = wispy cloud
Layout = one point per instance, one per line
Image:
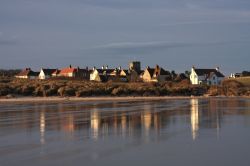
(162, 44)
(131, 45)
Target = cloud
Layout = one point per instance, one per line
(161, 45)
(143, 45)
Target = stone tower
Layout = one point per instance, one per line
(135, 65)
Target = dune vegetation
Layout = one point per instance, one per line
(11, 87)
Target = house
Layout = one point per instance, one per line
(120, 75)
(156, 74)
(161, 75)
(27, 74)
(206, 76)
(46, 73)
(56, 73)
(73, 72)
(235, 75)
(101, 75)
(67, 72)
(147, 75)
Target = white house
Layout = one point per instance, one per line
(46, 73)
(100, 75)
(206, 76)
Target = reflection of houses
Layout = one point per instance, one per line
(156, 74)
(194, 114)
(27, 74)
(206, 76)
(42, 127)
(95, 123)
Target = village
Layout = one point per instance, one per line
(134, 73)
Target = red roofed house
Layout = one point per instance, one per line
(27, 74)
(74, 72)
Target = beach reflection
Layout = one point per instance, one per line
(142, 120)
(194, 114)
(142, 131)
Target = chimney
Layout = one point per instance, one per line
(87, 68)
(217, 68)
(107, 67)
(94, 68)
(102, 67)
(120, 68)
(70, 66)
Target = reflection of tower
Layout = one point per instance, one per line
(135, 65)
(146, 120)
(42, 127)
(194, 114)
(95, 122)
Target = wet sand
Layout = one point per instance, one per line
(143, 132)
(103, 98)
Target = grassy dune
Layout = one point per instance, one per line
(10, 87)
(244, 80)
(80, 88)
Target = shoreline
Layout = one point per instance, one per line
(106, 98)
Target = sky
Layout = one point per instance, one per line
(176, 34)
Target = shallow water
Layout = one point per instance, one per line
(213, 131)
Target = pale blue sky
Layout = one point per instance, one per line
(174, 34)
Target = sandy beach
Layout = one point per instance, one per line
(103, 98)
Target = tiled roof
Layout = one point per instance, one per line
(68, 70)
(27, 72)
(207, 72)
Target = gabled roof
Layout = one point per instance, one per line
(125, 71)
(56, 72)
(27, 72)
(163, 72)
(104, 71)
(68, 70)
(150, 71)
(48, 71)
(201, 72)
